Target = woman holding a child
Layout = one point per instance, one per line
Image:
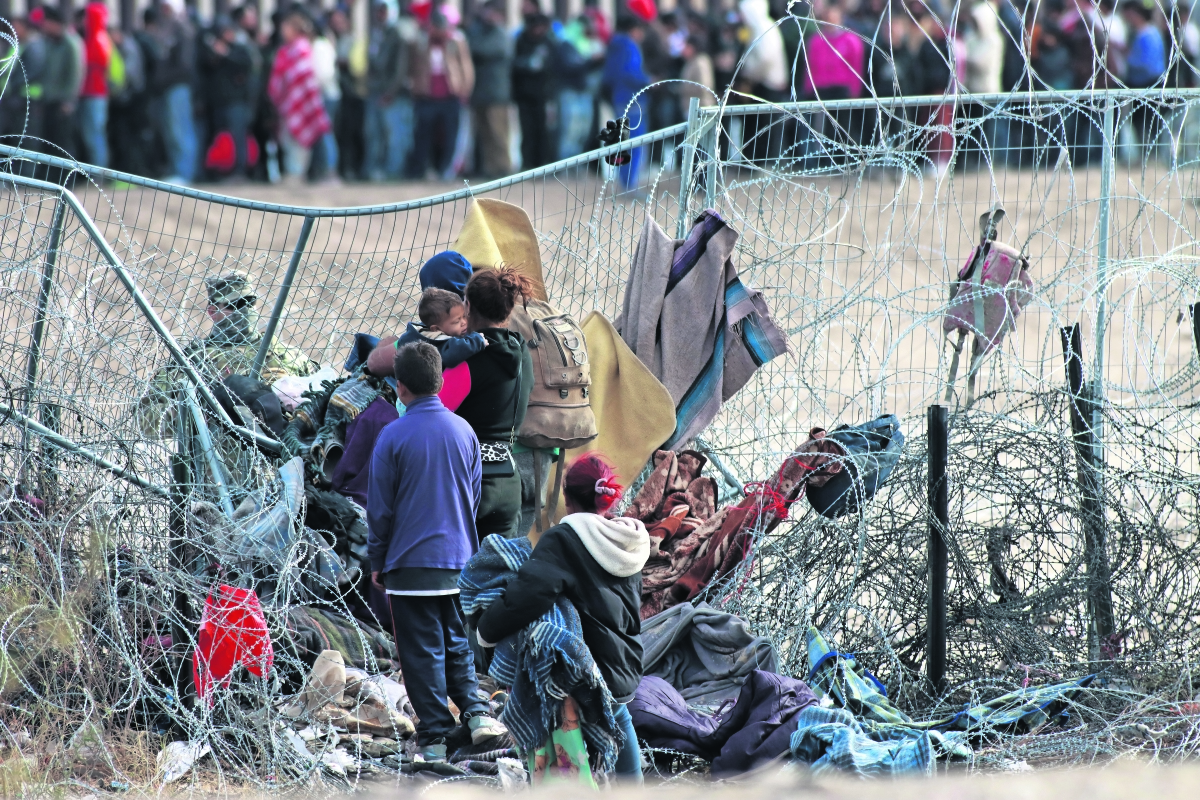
(501, 379)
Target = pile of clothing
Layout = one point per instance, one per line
(692, 545)
(840, 718)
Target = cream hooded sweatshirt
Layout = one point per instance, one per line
(620, 545)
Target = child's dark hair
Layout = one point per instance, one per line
(493, 293)
(591, 484)
(419, 367)
(435, 304)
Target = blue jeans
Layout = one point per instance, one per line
(629, 759)
(389, 136)
(438, 121)
(575, 132)
(639, 125)
(180, 131)
(93, 129)
(431, 639)
(328, 145)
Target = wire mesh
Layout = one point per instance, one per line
(854, 217)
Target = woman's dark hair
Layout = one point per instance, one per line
(419, 367)
(591, 484)
(493, 293)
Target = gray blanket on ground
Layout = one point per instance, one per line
(704, 653)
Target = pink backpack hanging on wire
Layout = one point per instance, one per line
(991, 290)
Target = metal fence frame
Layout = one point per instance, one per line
(700, 142)
(700, 180)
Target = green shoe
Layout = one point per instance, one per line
(484, 728)
(433, 751)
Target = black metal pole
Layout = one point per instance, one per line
(1196, 327)
(1095, 552)
(939, 523)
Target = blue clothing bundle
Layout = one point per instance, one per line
(871, 736)
(543, 664)
(830, 739)
(453, 349)
(423, 491)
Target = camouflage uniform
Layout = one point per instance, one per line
(217, 357)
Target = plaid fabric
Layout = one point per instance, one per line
(838, 677)
(545, 663)
(294, 90)
(353, 396)
(832, 739)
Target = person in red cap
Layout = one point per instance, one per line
(594, 560)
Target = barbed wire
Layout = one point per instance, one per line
(853, 219)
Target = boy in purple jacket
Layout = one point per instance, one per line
(421, 501)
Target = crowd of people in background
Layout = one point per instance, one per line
(424, 93)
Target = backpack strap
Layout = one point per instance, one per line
(988, 222)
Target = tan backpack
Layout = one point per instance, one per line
(560, 413)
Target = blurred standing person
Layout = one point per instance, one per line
(93, 100)
(152, 141)
(228, 62)
(296, 94)
(624, 77)
(352, 80)
(1187, 34)
(766, 71)
(21, 95)
(985, 66)
(698, 72)
(1051, 57)
(174, 75)
(765, 65)
(61, 82)
(1084, 35)
(442, 80)
(532, 81)
(577, 56)
(600, 26)
(389, 112)
(835, 59)
(933, 60)
(1117, 34)
(127, 107)
(491, 99)
(1146, 62)
(325, 166)
(1145, 67)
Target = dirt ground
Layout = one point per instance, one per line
(1120, 782)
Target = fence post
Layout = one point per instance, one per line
(33, 365)
(208, 451)
(1103, 227)
(1089, 468)
(260, 357)
(712, 150)
(690, 141)
(938, 437)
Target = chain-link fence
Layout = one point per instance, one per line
(854, 217)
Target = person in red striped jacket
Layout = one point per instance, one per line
(296, 93)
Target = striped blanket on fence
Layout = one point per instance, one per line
(544, 663)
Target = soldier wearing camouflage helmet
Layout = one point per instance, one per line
(232, 344)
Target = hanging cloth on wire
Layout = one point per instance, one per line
(693, 323)
(989, 294)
